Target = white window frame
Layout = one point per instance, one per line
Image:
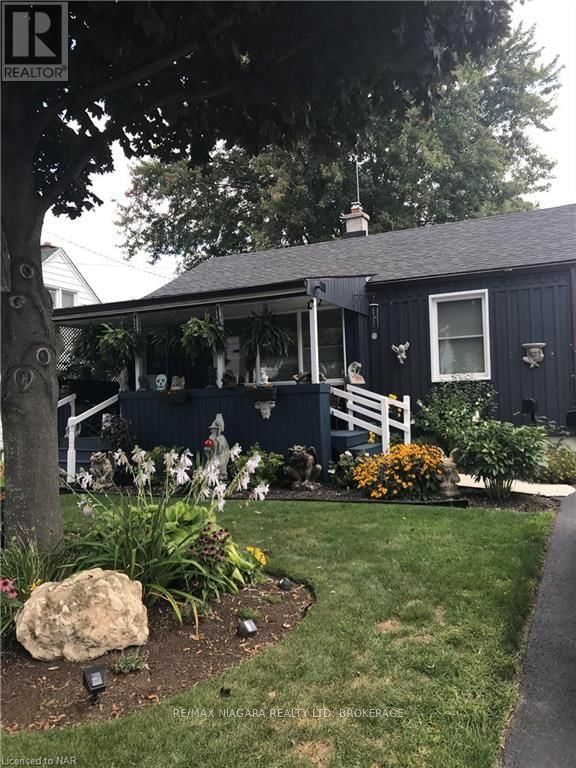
(58, 292)
(433, 301)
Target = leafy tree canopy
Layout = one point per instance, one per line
(472, 157)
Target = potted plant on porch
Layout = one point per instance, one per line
(203, 334)
(264, 334)
(118, 347)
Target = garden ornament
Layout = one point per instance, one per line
(228, 378)
(143, 383)
(354, 376)
(102, 471)
(265, 407)
(306, 377)
(123, 380)
(216, 447)
(400, 351)
(302, 467)
(264, 378)
(161, 382)
(178, 382)
(448, 476)
(534, 353)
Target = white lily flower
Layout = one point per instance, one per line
(260, 492)
(252, 463)
(235, 451)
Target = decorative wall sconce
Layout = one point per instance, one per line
(534, 353)
(374, 310)
(401, 351)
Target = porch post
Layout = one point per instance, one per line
(314, 360)
(221, 356)
(139, 367)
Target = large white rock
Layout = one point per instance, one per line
(83, 617)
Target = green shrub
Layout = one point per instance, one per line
(560, 465)
(268, 470)
(497, 452)
(133, 661)
(343, 470)
(248, 613)
(23, 568)
(450, 407)
(176, 549)
(117, 431)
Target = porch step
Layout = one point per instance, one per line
(346, 439)
(370, 448)
(85, 447)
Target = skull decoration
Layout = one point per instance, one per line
(161, 382)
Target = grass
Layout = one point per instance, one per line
(420, 612)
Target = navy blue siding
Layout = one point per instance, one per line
(301, 415)
(523, 307)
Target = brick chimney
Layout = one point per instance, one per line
(356, 222)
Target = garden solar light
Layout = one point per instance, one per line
(246, 628)
(285, 584)
(94, 680)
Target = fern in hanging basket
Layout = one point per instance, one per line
(263, 332)
(118, 346)
(201, 334)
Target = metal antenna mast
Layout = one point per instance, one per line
(357, 179)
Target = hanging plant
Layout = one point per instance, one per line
(200, 335)
(166, 339)
(118, 347)
(264, 333)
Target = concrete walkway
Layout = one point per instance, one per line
(543, 729)
(519, 486)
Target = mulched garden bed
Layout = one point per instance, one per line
(44, 695)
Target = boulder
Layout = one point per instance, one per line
(83, 617)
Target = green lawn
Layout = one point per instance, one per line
(420, 610)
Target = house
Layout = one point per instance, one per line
(63, 279)
(486, 299)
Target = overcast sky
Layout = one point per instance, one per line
(94, 242)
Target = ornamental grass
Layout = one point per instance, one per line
(403, 472)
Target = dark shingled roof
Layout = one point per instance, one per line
(47, 251)
(526, 239)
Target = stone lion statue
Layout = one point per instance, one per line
(302, 467)
(102, 471)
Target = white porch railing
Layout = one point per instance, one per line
(73, 421)
(371, 411)
(69, 399)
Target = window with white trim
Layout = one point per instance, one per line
(459, 335)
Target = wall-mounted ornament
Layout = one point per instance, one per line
(354, 376)
(534, 353)
(401, 350)
(265, 407)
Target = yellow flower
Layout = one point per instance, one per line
(34, 585)
(258, 555)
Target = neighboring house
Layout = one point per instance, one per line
(470, 297)
(66, 284)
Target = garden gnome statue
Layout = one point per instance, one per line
(400, 351)
(448, 476)
(354, 376)
(216, 447)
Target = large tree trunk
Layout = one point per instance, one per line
(30, 350)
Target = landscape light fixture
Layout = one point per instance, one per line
(246, 628)
(94, 680)
(285, 584)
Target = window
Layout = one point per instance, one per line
(68, 298)
(459, 336)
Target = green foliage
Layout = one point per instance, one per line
(117, 346)
(268, 470)
(25, 566)
(343, 469)
(497, 452)
(451, 407)
(273, 599)
(475, 157)
(248, 613)
(263, 332)
(131, 661)
(559, 466)
(200, 335)
(118, 432)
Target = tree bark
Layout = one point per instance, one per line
(30, 350)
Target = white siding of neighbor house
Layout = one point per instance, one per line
(60, 274)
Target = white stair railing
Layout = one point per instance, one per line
(73, 421)
(374, 412)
